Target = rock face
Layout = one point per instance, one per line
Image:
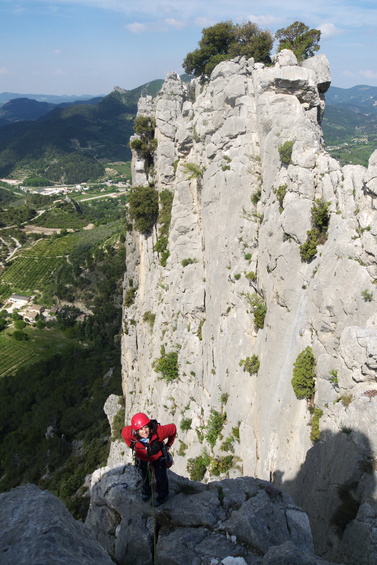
(240, 521)
(36, 528)
(241, 212)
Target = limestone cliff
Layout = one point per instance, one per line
(240, 214)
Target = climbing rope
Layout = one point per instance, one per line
(153, 490)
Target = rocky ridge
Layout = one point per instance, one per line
(238, 219)
(241, 521)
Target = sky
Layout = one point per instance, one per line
(77, 47)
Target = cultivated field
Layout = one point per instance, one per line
(13, 355)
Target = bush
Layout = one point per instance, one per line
(308, 249)
(18, 335)
(285, 152)
(227, 445)
(193, 171)
(19, 324)
(149, 317)
(280, 195)
(251, 276)
(258, 308)
(197, 467)
(146, 144)
(221, 465)
(303, 380)
(367, 295)
(250, 364)
(320, 218)
(188, 261)
(167, 365)
(118, 424)
(334, 377)
(215, 425)
(260, 314)
(315, 433)
(320, 215)
(256, 196)
(143, 208)
(129, 297)
(186, 424)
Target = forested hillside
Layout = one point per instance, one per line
(72, 143)
(56, 373)
(350, 123)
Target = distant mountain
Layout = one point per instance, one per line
(98, 132)
(36, 132)
(350, 123)
(26, 109)
(362, 95)
(50, 98)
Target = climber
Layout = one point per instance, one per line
(146, 438)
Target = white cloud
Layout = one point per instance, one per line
(348, 73)
(4, 71)
(177, 24)
(264, 20)
(368, 74)
(204, 22)
(328, 30)
(136, 27)
(58, 72)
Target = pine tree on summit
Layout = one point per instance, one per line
(300, 39)
(224, 41)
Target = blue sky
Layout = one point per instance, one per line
(90, 46)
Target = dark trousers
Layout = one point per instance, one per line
(158, 472)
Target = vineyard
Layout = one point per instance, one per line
(28, 274)
(57, 217)
(13, 355)
(34, 267)
(40, 344)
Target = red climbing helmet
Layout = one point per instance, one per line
(139, 420)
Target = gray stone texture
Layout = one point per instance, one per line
(231, 128)
(37, 529)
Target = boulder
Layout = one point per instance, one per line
(37, 528)
(235, 518)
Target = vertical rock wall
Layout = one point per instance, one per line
(218, 150)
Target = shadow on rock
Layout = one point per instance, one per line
(336, 486)
(240, 521)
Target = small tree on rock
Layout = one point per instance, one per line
(303, 380)
(226, 40)
(300, 39)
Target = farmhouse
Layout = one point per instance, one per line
(30, 316)
(36, 308)
(32, 312)
(19, 300)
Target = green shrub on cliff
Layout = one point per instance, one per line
(303, 380)
(285, 152)
(143, 208)
(320, 218)
(167, 365)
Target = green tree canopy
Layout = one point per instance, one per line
(300, 39)
(303, 380)
(143, 208)
(226, 40)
